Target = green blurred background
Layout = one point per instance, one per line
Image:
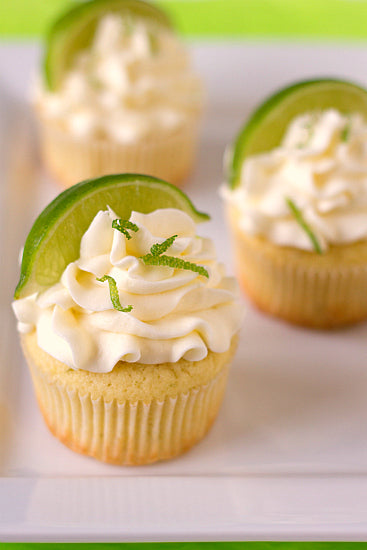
(345, 19)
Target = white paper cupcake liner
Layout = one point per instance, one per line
(129, 433)
(320, 296)
(70, 159)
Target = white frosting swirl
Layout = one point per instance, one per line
(321, 166)
(176, 313)
(132, 82)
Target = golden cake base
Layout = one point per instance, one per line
(319, 291)
(136, 414)
(71, 160)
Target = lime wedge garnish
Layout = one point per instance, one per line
(265, 128)
(74, 31)
(54, 240)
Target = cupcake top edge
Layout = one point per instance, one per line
(310, 192)
(147, 290)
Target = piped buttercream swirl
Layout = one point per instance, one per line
(176, 313)
(135, 80)
(321, 166)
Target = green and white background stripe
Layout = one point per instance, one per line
(342, 19)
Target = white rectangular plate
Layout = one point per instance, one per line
(287, 457)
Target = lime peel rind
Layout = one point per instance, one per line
(265, 128)
(74, 30)
(54, 240)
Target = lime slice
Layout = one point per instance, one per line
(265, 128)
(74, 32)
(54, 239)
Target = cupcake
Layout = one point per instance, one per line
(117, 94)
(298, 210)
(129, 349)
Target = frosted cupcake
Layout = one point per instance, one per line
(117, 94)
(129, 350)
(299, 221)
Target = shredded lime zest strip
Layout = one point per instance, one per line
(310, 127)
(345, 133)
(123, 226)
(177, 263)
(301, 221)
(115, 299)
(156, 257)
(159, 248)
(153, 42)
(306, 143)
(129, 26)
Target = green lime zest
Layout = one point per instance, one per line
(54, 240)
(74, 31)
(129, 25)
(172, 261)
(306, 143)
(310, 127)
(302, 223)
(265, 129)
(345, 133)
(153, 42)
(159, 248)
(157, 258)
(123, 226)
(115, 299)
